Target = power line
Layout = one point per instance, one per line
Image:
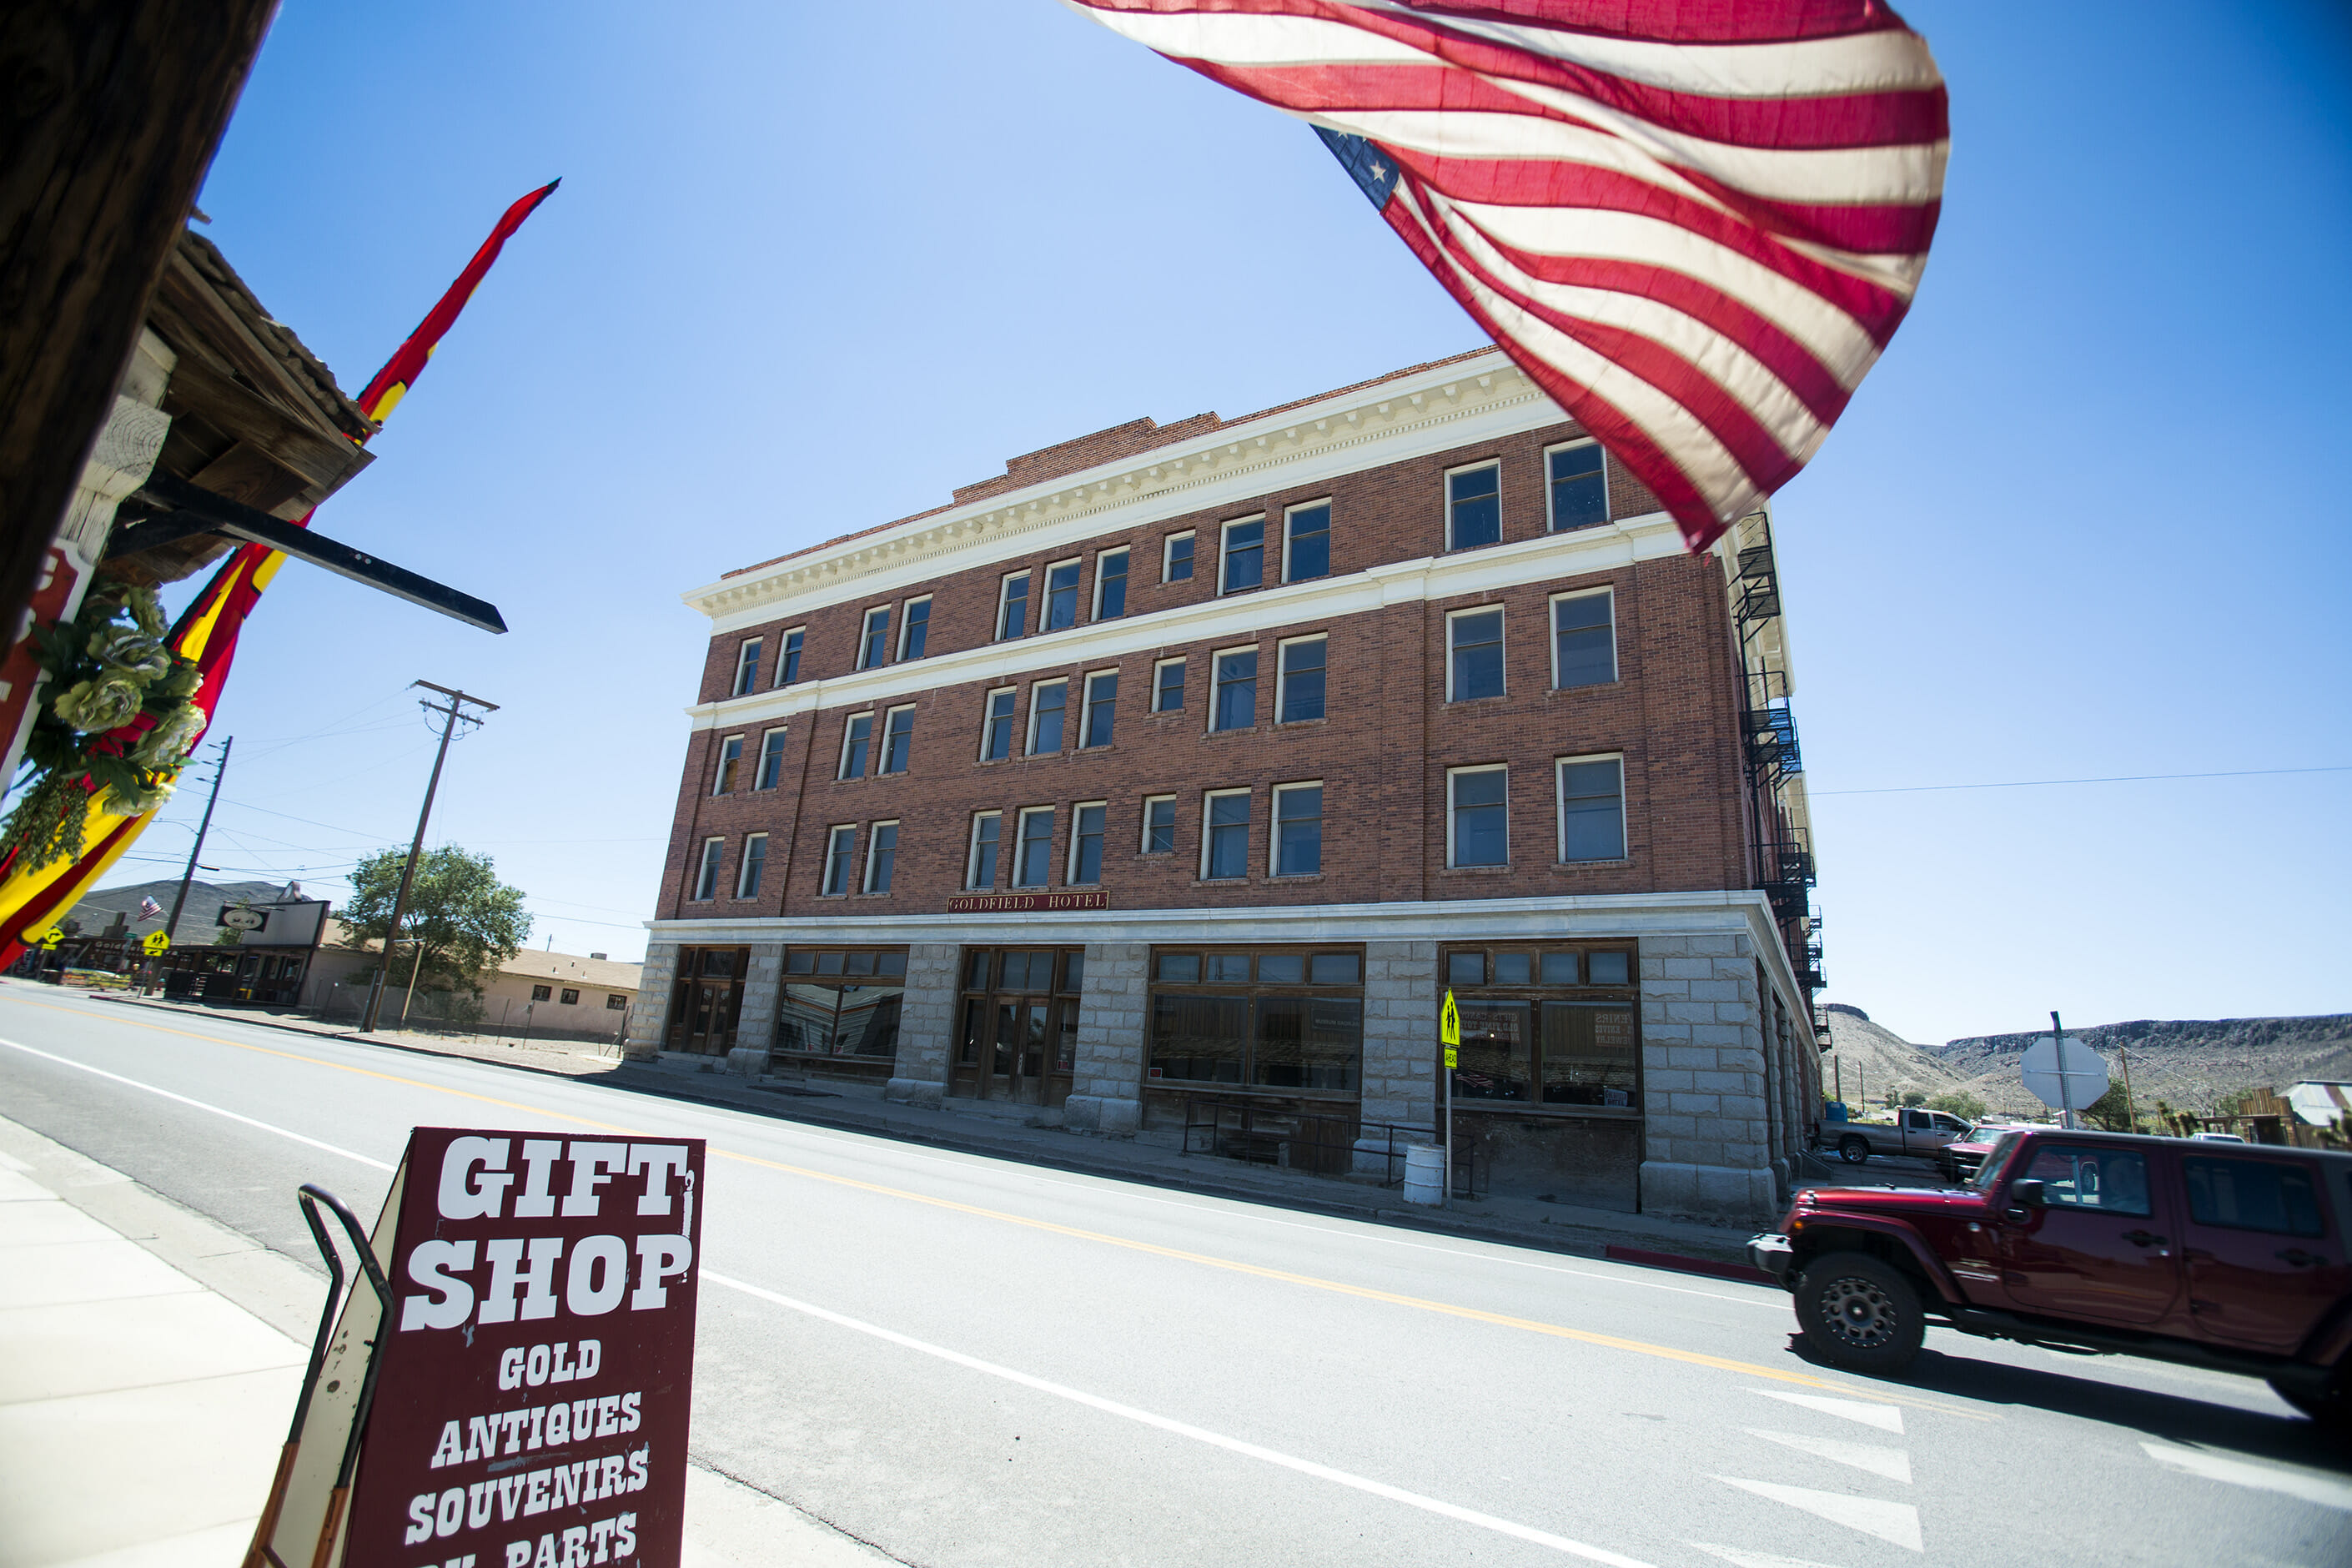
(2038, 784)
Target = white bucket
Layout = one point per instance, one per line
(1424, 1173)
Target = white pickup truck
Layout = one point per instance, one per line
(1913, 1132)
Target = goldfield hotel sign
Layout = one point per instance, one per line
(1024, 903)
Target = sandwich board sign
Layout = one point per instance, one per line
(530, 1399)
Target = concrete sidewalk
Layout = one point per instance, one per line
(149, 1362)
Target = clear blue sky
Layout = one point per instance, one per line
(811, 267)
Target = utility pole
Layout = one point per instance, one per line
(2065, 1088)
(451, 718)
(2131, 1110)
(220, 772)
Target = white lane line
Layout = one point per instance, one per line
(1886, 1417)
(2324, 1490)
(1895, 1521)
(1182, 1430)
(200, 1105)
(1891, 1463)
(1754, 1558)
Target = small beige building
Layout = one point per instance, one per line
(544, 993)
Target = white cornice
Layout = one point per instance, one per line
(1236, 617)
(1451, 405)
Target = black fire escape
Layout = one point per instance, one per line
(1767, 730)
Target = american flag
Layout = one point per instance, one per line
(148, 908)
(1695, 223)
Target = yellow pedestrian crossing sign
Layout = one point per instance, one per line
(1449, 1024)
(154, 941)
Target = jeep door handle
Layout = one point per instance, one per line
(2142, 1238)
(2299, 1258)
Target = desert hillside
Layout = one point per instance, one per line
(2188, 1063)
(1864, 1059)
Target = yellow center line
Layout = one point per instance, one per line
(1206, 1260)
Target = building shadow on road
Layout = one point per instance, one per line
(2177, 1418)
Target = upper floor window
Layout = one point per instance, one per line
(1592, 808)
(788, 669)
(979, 863)
(1302, 680)
(1584, 640)
(771, 760)
(1235, 707)
(1049, 702)
(730, 758)
(874, 641)
(996, 734)
(1580, 486)
(856, 739)
(1061, 596)
(747, 666)
(840, 850)
(1167, 685)
(1013, 606)
(706, 876)
(755, 862)
(1298, 829)
(1110, 584)
(1159, 824)
(1102, 707)
(1085, 844)
(914, 628)
(1244, 556)
(1033, 859)
(1477, 803)
(1473, 507)
(1224, 834)
(897, 739)
(1473, 653)
(881, 856)
(1176, 558)
(1309, 552)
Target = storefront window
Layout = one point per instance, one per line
(841, 1003)
(1546, 1026)
(1279, 1019)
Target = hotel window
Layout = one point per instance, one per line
(1235, 706)
(881, 856)
(747, 666)
(788, 669)
(1159, 824)
(1302, 680)
(1048, 701)
(914, 629)
(1309, 552)
(874, 642)
(980, 864)
(1584, 640)
(1477, 808)
(706, 877)
(542, 993)
(841, 1004)
(996, 732)
(1061, 596)
(771, 760)
(840, 850)
(1272, 1019)
(1013, 606)
(755, 861)
(1244, 556)
(1167, 685)
(1224, 834)
(1032, 857)
(1085, 845)
(1580, 486)
(1298, 829)
(1102, 708)
(1176, 558)
(730, 758)
(1473, 507)
(1592, 808)
(897, 739)
(1536, 1031)
(1473, 666)
(1110, 584)
(856, 739)
(571, 996)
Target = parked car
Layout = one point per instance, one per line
(1913, 1132)
(2235, 1259)
(1960, 1161)
(2215, 1137)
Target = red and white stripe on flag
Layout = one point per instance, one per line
(1695, 223)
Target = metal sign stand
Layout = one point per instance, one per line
(2065, 1090)
(1449, 1029)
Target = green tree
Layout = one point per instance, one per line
(1959, 1103)
(1914, 1097)
(468, 921)
(2109, 1113)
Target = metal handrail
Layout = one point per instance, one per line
(1242, 1138)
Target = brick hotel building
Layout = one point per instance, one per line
(1179, 771)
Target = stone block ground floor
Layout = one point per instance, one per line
(1646, 1054)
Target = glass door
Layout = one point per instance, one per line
(1020, 1027)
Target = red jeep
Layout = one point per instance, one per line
(2234, 1257)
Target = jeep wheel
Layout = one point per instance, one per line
(1860, 1313)
(1853, 1148)
(2332, 1409)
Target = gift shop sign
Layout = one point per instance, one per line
(532, 1404)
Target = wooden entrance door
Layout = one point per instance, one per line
(1018, 1037)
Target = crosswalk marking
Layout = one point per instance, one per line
(1895, 1521)
(1891, 1463)
(2324, 1490)
(1886, 1417)
(1754, 1558)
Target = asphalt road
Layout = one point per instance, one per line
(963, 1361)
